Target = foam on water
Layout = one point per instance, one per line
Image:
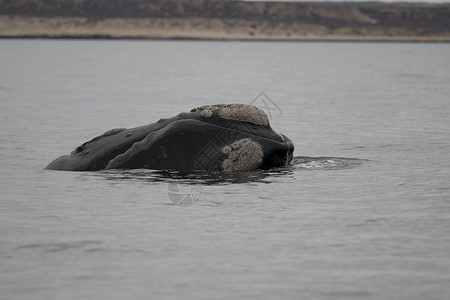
(325, 163)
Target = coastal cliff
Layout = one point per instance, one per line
(222, 19)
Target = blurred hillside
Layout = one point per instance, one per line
(222, 19)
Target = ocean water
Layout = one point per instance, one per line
(361, 213)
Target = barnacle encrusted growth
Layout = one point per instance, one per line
(243, 155)
(207, 113)
(237, 112)
(113, 131)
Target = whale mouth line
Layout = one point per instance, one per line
(282, 139)
(253, 137)
(249, 132)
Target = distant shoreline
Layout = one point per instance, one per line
(225, 20)
(200, 29)
(318, 39)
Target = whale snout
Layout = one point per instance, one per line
(279, 156)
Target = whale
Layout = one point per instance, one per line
(213, 138)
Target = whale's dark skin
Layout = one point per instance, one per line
(231, 137)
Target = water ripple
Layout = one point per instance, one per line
(59, 247)
(326, 163)
(218, 178)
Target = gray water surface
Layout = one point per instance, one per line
(362, 212)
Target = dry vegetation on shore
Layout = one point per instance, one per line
(201, 19)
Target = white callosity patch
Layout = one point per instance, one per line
(207, 113)
(113, 131)
(242, 155)
(238, 112)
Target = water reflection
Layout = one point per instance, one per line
(198, 177)
(224, 178)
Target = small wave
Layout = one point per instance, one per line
(325, 163)
(58, 247)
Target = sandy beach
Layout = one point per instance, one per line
(199, 28)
